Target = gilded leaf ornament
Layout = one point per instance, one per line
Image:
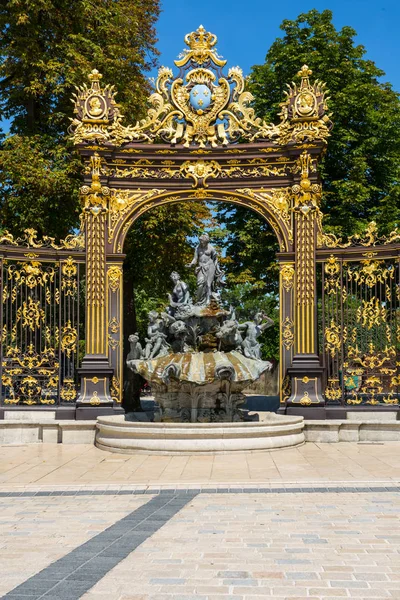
(201, 106)
(369, 237)
(30, 240)
(287, 274)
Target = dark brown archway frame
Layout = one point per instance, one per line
(274, 173)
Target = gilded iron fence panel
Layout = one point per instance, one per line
(42, 320)
(359, 315)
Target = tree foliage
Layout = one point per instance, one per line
(46, 48)
(361, 168)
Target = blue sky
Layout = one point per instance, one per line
(246, 29)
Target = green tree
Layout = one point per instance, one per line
(361, 168)
(46, 48)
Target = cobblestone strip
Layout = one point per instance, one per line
(71, 576)
(206, 490)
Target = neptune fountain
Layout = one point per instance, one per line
(197, 357)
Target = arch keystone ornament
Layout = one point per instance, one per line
(200, 140)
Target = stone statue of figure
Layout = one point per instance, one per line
(133, 382)
(253, 330)
(136, 351)
(180, 294)
(207, 270)
(156, 341)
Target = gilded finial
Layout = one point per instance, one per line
(94, 78)
(304, 73)
(95, 75)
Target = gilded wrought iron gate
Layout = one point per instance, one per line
(359, 314)
(42, 321)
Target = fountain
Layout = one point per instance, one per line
(198, 359)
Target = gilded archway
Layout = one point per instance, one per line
(201, 141)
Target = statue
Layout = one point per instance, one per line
(198, 358)
(253, 330)
(179, 332)
(136, 350)
(208, 271)
(180, 294)
(133, 381)
(229, 335)
(156, 342)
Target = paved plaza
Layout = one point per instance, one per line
(318, 521)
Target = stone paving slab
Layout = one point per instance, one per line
(255, 545)
(36, 531)
(55, 465)
(320, 521)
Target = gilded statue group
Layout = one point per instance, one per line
(188, 326)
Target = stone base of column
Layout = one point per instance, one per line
(95, 375)
(306, 379)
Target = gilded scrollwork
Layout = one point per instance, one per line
(114, 276)
(332, 282)
(287, 274)
(94, 197)
(30, 240)
(307, 195)
(332, 390)
(371, 271)
(279, 201)
(31, 314)
(31, 274)
(200, 170)
(68, 391)
(115, 389)
(167, 169)
(370, 313)
(39, 322)
(369, 237)
(288, 333)
(122, 201)
(69, 339)
(333, 338)
(29, 377)
(69, 271)
(201, 106)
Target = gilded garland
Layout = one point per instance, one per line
(201, 106)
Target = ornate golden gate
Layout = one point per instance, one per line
(42, 320)
(202, 141)
(360, 319)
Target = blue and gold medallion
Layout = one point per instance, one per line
(200, 98)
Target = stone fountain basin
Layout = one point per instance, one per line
(114, 434)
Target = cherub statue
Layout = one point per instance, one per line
(253, 330)
(156, 341)
(136, 351)
(180, 294)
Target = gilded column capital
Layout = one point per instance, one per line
(94, 197)
(307, 195)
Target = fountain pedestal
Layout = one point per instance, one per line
(126, 437)
(204, 387)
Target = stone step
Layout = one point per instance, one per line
(362, 416)
(29, 416)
